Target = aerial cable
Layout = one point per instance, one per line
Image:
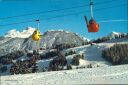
(118, 20)
(56, 10)
(33, 20)
(44, 12)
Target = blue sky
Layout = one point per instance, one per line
(74, 23)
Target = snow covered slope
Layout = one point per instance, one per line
(100, 75)
(3, 39)
(51, 38)
(92, 54)
(9, 45)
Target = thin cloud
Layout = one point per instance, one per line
(113, 21)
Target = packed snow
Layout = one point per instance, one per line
(100, 75)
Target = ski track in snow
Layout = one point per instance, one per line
(92, 54)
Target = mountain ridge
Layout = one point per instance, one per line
(9, 43)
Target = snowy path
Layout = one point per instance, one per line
(93, 54)
(110, 74)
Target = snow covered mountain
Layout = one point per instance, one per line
(116, 34)
(15, 40)
(51, 38)
(111, 37)
(24, 34)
